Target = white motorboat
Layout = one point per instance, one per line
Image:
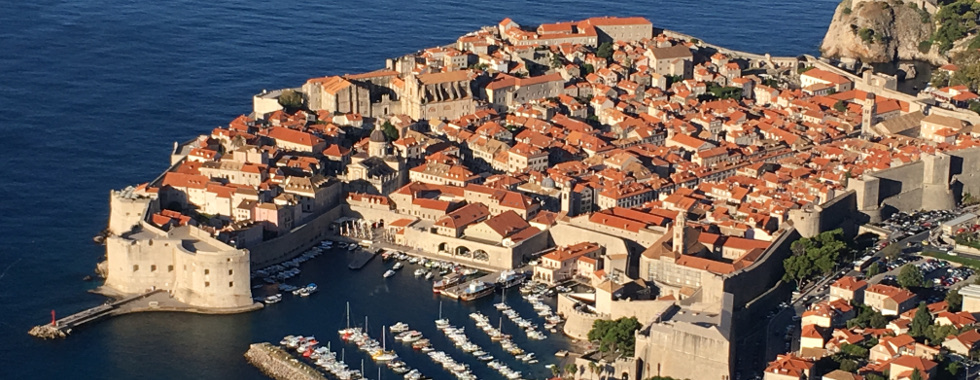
(275, 298)
(389, 273)
(397, 266)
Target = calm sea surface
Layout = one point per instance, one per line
(93, 94)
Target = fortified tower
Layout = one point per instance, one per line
(127, 208)
(869, 114)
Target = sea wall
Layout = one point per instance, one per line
(279, 364)
(296, 241)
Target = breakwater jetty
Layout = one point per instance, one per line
(279, 364)
(62, 327)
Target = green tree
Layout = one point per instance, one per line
(910, 276)
(811, 256)
(854, 351)
(874, 376)
(571, 369)
(925, 46)
(953, 368)
(873, 270)
(556, 61)
(615, 335)
(937, 334)
(867, 35)
(587, 69)
(391, 133)
(954, 300)
(840, 106)
(849, 365)
(916, 375)
(878, 321)
(921, 321)
(891, 252)
(291, 99)
(604, 50)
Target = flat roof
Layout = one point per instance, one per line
(972, 291)
(960, 219)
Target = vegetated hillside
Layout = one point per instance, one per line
(881, 32)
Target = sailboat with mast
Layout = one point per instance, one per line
(347, 333)
(441, 323)
(384, 355)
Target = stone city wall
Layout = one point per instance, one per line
(964, 175)
(747, 284)
(577, 323)
(297, 241)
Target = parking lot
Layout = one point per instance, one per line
(909, 233)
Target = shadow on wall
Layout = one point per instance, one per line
(888, 188)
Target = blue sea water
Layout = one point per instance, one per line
(93, 94)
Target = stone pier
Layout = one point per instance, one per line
(279, 364)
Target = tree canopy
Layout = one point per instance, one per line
(812, 256)
(391, 133)
(291, 99)
(615, 335)
(867, 317)
(873, 270)
(604, 50)
(954, 300)
(955, 19)
(840, 106)
(921, 321)
(910, 277)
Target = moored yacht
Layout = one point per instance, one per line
(475, 290)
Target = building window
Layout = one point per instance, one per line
(153, 268)
(136, 268)
(170, 268)
(231, 284)
(207, 284)
(207, 271)
(231, 272)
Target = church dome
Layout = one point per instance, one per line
(548, 183)
(378, 136)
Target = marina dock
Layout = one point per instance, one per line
(453, 292)
(361, 258)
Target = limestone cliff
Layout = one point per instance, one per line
(875, 31)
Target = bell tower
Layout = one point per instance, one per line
(869, 114)
(679, 226)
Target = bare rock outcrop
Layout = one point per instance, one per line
(878, 31)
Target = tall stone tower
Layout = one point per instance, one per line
(679, 225)
(869, 114)
(377, 144)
